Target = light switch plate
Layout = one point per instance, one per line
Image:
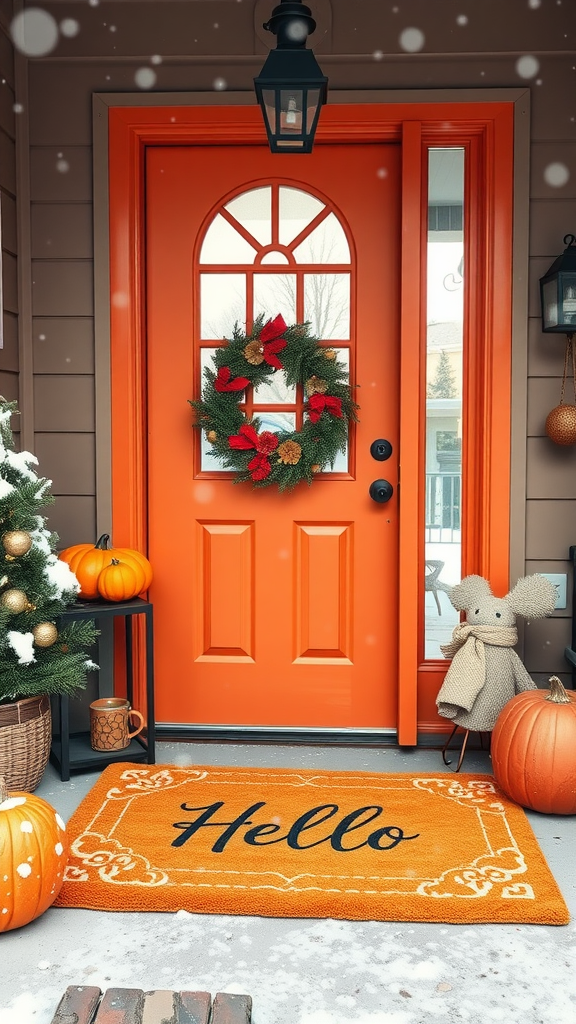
(558, 580)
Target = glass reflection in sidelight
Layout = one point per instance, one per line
(444, 347)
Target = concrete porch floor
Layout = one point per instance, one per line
(305, 971)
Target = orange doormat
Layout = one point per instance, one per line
(289, 843)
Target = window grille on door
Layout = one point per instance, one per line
(268, 250)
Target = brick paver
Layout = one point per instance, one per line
(87, 1005)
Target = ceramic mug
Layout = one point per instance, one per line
(109, 723)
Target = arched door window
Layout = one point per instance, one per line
(274, 249)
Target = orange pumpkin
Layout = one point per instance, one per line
(119, 581)
(534, 749)
(33, 856)
(88, 560)
(68, 553)
(130, 556)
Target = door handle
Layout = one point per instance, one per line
(381, 491)
(381, 449)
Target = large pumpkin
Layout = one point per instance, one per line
(88, 560)
(33, 856)
(534, 749)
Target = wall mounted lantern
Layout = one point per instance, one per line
(558, 298)
(558, 292)
(291, 88)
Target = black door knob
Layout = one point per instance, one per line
(381, 491)
(381, 449)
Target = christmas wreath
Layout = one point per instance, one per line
(281, 457)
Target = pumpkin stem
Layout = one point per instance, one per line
(557, 693)
(103, 542)
(115, 561)
(3, 790)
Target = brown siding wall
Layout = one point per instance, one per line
(359, 49)
(9, 362)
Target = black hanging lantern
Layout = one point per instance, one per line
(291, 88)
(558, 292)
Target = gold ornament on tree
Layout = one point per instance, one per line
(15, 601)
(16, 543)
(561, 421)
(45, 634)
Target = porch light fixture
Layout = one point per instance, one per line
(291, 88)
(558, 292)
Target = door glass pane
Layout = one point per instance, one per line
(445, 292)
(253, 210)
(326, 244)
(275, 257)
(296, 210)
(327, 305)
(274, 391)
(222, 244)
(222, 304)
(273, 294)
(276, 421)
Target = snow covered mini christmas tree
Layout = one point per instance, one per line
(38, 656)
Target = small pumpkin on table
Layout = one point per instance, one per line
(103, 571)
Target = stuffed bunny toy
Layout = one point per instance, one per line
(485, 672)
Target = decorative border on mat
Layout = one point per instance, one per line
(96, 852)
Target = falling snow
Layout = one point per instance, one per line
(34, 32)
(556, 175)
(527, 66)
(145, 78)
(411, 40)
(69, 27)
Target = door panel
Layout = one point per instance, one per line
(272, 609)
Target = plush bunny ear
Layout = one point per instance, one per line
(532, 596)
(468, 592)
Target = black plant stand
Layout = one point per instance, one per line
(75, 752)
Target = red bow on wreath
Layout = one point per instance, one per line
(272, 344)
(223, 382)
(264, 443)
(317, 404)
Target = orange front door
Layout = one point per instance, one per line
(272, 609)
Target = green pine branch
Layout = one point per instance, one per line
(26, 667)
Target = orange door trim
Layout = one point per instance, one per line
(487, 131)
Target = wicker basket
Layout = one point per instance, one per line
(25, 739)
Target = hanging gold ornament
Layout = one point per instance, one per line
(561, 424)
(212, 436)
(45, 634)
(17, 542)
(561, 421)
(14, 601)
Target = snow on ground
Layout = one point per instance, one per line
(306, 971)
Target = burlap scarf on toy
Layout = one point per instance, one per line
(467, 673)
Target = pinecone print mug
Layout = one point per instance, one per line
(110, 718)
